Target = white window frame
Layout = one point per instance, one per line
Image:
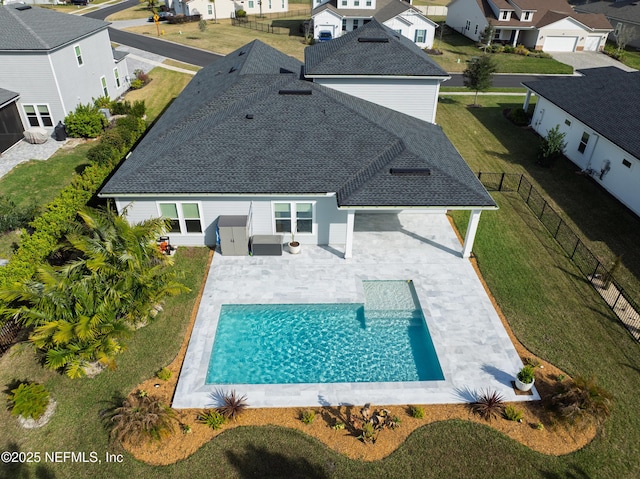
(344, 24)
(38, 115)
(505, 15)
(355, 23)
(584, 143)
(356, 3)
(344, 3)
(417, 38)
(209, 9)
(251, 4)
(294, 220)
(78, 53)
(527, 16)
(181, 218)
(116, 76)
(103, 84)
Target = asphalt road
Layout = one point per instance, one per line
(181, 53)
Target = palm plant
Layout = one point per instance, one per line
(581, 401)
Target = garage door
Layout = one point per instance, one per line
(560, 44)
(592, 44)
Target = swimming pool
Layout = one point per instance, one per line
(384, 339)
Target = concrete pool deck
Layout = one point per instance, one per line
(473, 347)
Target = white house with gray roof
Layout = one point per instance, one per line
(390, 71)
(599, 116)
(342, 16)
(210, 10)
(622, 14)
(55, 62)
(250, 140)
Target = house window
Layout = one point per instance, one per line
(476, 32)
(282, 5)
(251, 4)
(365, 21)
(356, 24)
(344, 25)
(38, 115)
(116, 76)
(269, 4)
(505, 15)
(420, 36)
(185, 217)
(105, 90)
(356, 3)
(567, 122)
(344, 3)
(583, 142)
(368, 3)
(496, 36)
(626, 163)
(293, 217)
(399, 32)
(527, 16)
(78, 55)
(467, 25)
(210, 9)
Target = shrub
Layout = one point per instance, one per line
(551, 146)
(85, 122)
(120, 107)
(508, 49)
(29, 400)
(202, 25)
(102, 102)
(417, 412)
(519, 117)
(140, 419)
(164, 374)
(212, 418)
(131, 128)
(371, 422)
(581, 401)
(512, 413)
(233, 405)
(136, 84)
(114, 138)
(527, 374)
(495, 48)
(102, 154)
(138, 109)
(142, 76)
(488, 405)
(338, 426)
(13, 217)
(307, 416)
(241, 14)
(521, 50)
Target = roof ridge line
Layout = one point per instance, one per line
(29, 29)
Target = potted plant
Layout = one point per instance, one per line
(294, 246)
(525, 378)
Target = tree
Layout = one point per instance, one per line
(151, 4)
(551, 146)
(487, 35)
(623, 34)
(202, 25)
(479, 74)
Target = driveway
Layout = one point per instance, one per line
(582, 60)
(473, 347)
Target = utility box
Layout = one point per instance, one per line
(234, 235)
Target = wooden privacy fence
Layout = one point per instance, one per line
(603, 281)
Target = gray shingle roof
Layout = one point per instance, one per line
(233, 132)
(624, 10)
(385, 9)
(42, 29)
(7, 95)
(346, 55)
(605, 99)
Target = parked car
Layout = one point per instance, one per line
(325, 36)
(79, 2)
(162, 16)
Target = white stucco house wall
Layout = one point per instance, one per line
(56, 61)
(390, 72)
(251, 139)
(227, 8)
(342, 16)
(599, 118)
(547, 25)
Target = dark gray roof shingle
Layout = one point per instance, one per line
(232, 132)
(346, 55)
(42, 29)
(624, 10)
(604, 99)
(7, 95)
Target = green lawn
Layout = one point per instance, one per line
(458, 50)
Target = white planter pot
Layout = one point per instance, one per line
(294, 249)
(524, 386)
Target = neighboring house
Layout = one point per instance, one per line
(249, 136)
(622, 14)
(227, 9)
(598, 113)
(10, 124)
(548, 25)
(390, 70)
(56, 61)
(342, 16)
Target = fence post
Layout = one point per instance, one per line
(520, 182)
(575, 248)
(501, 181)
(544, 205)
(529, 195)
(555, 236)
(616, 301)
(593, 275)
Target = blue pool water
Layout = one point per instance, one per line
(321, 343)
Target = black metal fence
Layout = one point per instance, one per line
(603, 281)
(261, 27)
(291, 13)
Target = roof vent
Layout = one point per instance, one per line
(233, 68)
(249, 116)
(410, 171)
(242, 52)
(294, 92)
(23, 7)
(373, 40)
